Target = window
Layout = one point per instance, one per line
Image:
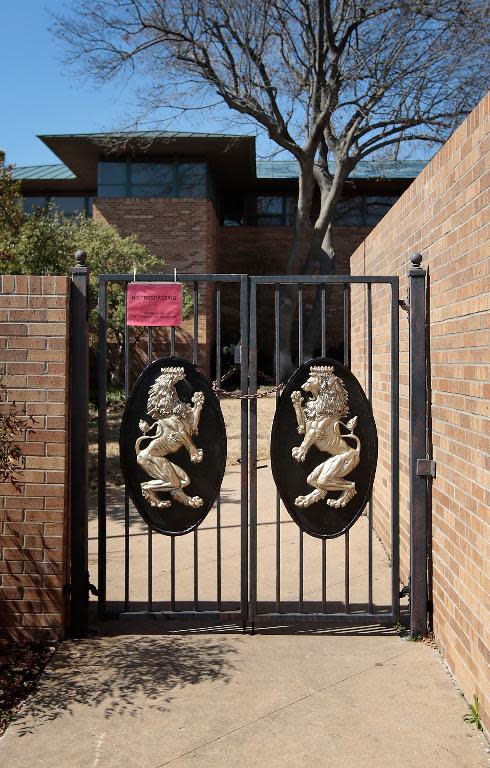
(172, 178)
(363, 210)
(350, 212)
(31, 204)
(68, 205)
(377, 207)
(275, 211)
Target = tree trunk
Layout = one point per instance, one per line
(326, 266)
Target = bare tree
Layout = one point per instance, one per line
(332, 82)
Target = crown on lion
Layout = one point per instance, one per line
(172, 374)
(321, 370)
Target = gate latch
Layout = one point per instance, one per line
(426, 468)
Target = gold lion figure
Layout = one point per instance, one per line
(319, 420)
(175, 424)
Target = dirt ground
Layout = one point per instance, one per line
(231, 413)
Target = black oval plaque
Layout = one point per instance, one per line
(324, 448)
(173, 446)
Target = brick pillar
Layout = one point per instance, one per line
(34, 328)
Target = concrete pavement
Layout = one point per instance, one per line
(152, 692)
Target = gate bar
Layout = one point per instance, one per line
(418, 448)
(101, 454)
(79, 394)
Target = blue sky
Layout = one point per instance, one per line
(36, 96)
(39, 95)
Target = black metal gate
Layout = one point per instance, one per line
(288, 552)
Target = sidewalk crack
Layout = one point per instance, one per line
(280, 709)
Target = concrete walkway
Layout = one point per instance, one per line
(150, 692)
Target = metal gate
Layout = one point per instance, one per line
(307, 580)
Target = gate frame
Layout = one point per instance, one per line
(196, 280)
(421, 467)
(300, 281)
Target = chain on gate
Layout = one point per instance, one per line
(237, 395)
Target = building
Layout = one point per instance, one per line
(202, 202)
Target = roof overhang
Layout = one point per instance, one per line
(231, 158)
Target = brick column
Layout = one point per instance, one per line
(34, 330)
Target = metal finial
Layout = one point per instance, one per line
(81, 258)
(416, 259)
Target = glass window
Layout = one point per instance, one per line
(269, 205)
(170, 178)
(192, 180)
(276, 211)
(112, 173)
(377, 207)
(33, 203)
(69, 206)
(148, 190)
(157, 175)
(350, 212)
(112, 190)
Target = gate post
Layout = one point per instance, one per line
(79, 393)
(417, 446)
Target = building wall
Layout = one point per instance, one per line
(444, 215)
(34, 329)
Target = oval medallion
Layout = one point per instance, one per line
(324, 448)
(173, 446)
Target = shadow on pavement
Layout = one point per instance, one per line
(124, 675)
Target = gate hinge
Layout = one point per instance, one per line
(93, 589)
(426, 468)
(403, 305)
(405, 591)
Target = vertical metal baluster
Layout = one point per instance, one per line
(346, 363)
(324, 541)
(370, 397)
(196, 570)
(278, 498)
(195, 342)
(126, 494)
(324, 575)
(253, 453)
(150, 531)
(101, 461)
(195, 360)
(172, 341)
(172, 573)
(395, 455)
(246, 576)
(300, 361)
(324, 323)
(218, 500)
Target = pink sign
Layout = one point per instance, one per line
(154, 304)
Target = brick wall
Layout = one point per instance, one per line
(180, 233)
(33, 524)
(444, 215)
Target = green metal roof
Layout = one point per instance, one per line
(42, 172)
(266, 169)
(365, 169)
(147, 135)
